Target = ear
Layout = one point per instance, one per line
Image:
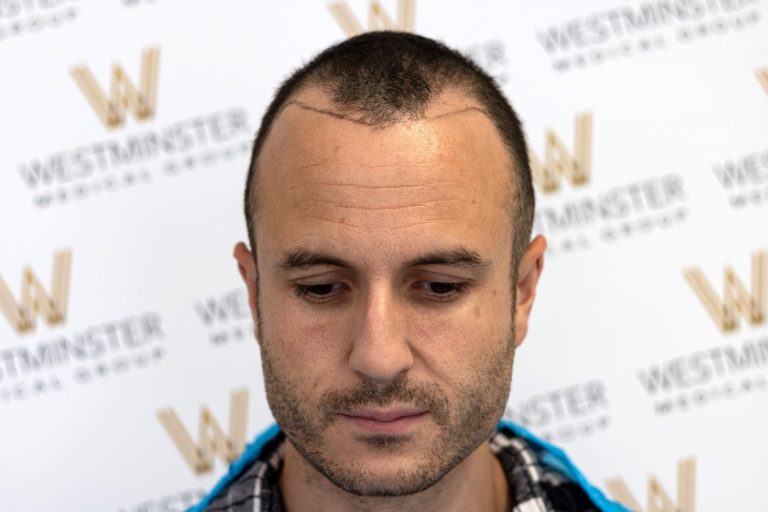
(246, 264)
(528, 273)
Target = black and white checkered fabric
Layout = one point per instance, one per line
(533, 486)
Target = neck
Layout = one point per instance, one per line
(476, 483)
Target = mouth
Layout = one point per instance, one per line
(385, 421)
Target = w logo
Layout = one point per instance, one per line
(659, 499)
(736, 300)
(378, 19)
(212, 442)
(124, 96)
(35, 300)
(559, 163)
(762, 77)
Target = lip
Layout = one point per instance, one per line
(385, 421)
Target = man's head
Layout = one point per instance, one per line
(381, 78)
(389, 208)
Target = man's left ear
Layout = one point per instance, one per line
(528, 273)
(246, 265)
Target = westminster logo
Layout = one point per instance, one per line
(124, 96)
(659, 500)
(378, 18)
(736, 301)
(560, 163)
(35, 300)
(212, 441)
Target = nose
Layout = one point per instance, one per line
(381, 351)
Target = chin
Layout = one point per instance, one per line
(380, 482)
(384, 473)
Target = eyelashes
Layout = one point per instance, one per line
(320, 293)
(440, 291)
(435, 291)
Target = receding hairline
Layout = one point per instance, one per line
(340, 113)
(472, 106)
(468, 106)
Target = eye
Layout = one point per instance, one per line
(319, 292)
(440, 291)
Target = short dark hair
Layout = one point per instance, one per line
(386, 77)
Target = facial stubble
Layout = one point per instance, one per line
(463, 423)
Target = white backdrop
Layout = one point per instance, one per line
(624, 366)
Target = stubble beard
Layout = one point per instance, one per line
(463, 424)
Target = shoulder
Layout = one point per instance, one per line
(251, 484)
(542, 477)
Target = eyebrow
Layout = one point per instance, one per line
(302, 258)
(457, 257)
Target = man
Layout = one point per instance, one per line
(391, 276)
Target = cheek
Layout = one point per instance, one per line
(309, 347)
(455, 343)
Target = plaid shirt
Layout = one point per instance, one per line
(533, 486)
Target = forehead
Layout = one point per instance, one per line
(446, 174)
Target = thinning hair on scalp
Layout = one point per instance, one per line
(382, 78)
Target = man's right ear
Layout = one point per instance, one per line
(246, 264)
